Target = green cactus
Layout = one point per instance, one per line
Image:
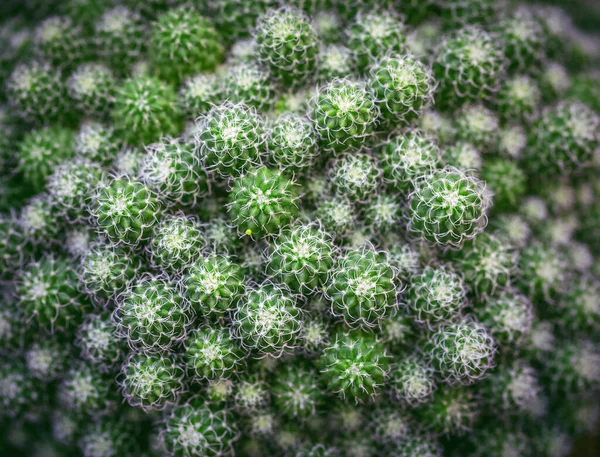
(287, 46)
(92, 87)
(291, 144)
(356, 176)
(295, 390)
(363, 287)
(412, 381)
(262, 202)
(183, 43)
(250, 85)
(97, 340)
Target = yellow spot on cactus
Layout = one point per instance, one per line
(248, 232)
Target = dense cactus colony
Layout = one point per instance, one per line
(298, 228)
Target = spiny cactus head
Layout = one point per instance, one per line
(354, 366)
(435, 295)
(47, 361)
(268, 321)
(335, 61)
(145, 109)
(296, 392)
(448, 207)
(92, 87)
(177, 243)
(363, 287)
(194, 428)
(153, 314)
(249, 84)
(98, 342)
(344, 114)
(183, 43)
(18, 389)
(214, 284)
(86, 392)
(451, 411)
(126, 210)
(407, 157)
(287, 45)
(460, 352)
(262, 202)
(383, 213)
(412, 381)
(151, 381)
(49, 295)
(38, 220)
(543, 271)
(403, 87)
(336, 214)
(373, 34)
(211, 353)
(301, 257)
(479, 126)
(356, 176)
(469, 66)
(512, 141)
(518, 99)
(230, 138)
(172, 169)
(291, 144)
(463, 156)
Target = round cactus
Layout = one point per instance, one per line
(513, 388)
(403, 87)
(487, 264)
(183, 43)
(173, 170)
(563, 139)
(524, 41)
(97, 143)
(18, 389)
(46, 361)
(268, 321)
(407, 157)
(101, 439)
(344, 114)
(38, 93)
(121, 37)
(250, 85)
(177, 243)
(435, 295)
(335, 61)
(86, 392)
(383, 213)
(153, 315)
(463, 156)
(301, 258)
(578, 308)
(287, 45)
(363, 287)
(337, 215)
(196, 429)
(145, 109)
(542, 271)
(40, 151)
(38, 220)
(105, 271)
(506, 181)
(460, 352)
(512, 141)
(71, 188)
(356, 176)
(354, 366)
(448, 208)
(99, 344)
(518, 99)
(48, 294)
(13, 250)
(126, 210)
(198, 93)
(479, 126)
(60, 41)
(412, 381)
(92, 87)
(230, 138)
(373, 34)
(210, 353)
(214, 284)
(262, 202)
(291, 144)
(252, 394)
(295, 390)
(417, 445)
(469, 66)
(151, 381)
(451, 411)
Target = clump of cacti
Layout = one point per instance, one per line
(298, 228)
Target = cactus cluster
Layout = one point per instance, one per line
(299, 228)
